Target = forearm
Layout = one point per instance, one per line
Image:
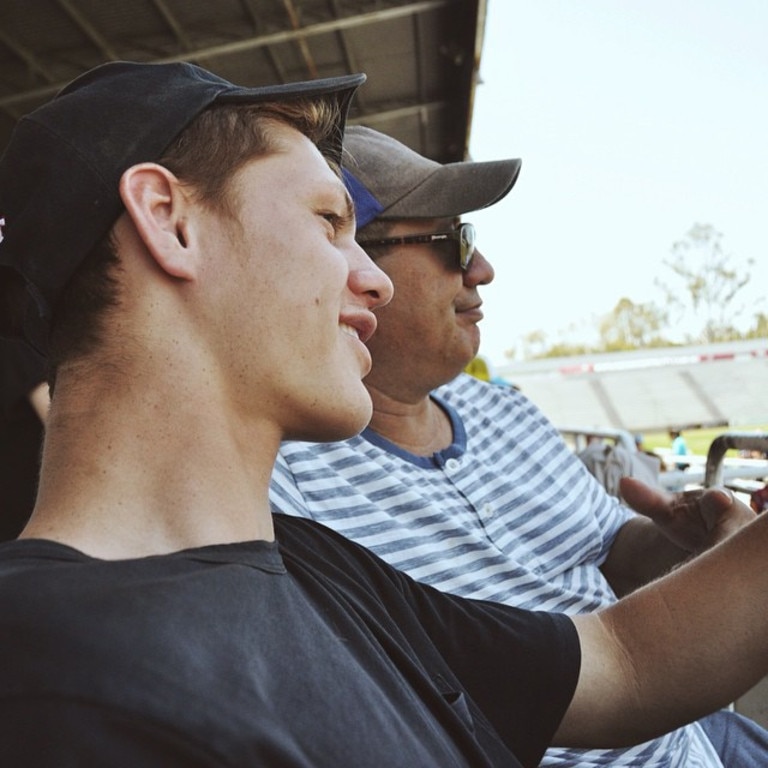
(676, 649)
(640, 554)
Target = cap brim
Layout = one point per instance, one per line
(457, 188)
(341, 89)
(307, 88)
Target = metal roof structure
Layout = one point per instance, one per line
(421, 58)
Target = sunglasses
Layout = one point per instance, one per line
(464, 235)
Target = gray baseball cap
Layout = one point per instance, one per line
(388, 180)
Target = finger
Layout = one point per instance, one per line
(645, 499)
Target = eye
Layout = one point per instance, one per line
(339, 222)
(333, 219)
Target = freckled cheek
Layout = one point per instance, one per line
(311, 317)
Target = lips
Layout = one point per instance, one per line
(360, 325)
(474, 312)
(360, 329)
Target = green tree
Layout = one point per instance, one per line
(630, 326)
(708, 281)
(566, 349)
(760, 329)
(536, 345)
(702, 301)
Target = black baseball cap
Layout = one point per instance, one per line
(60, 172)
(388, 180)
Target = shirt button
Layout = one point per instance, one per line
(488, 512)
(452, 465)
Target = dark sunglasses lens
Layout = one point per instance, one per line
(467, 244)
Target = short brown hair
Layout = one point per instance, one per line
(224, 138)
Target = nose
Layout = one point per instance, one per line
(480, 271)
(365, 278)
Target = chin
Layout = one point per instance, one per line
(354, 420)
(339, 423)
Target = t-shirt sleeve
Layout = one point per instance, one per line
(606, 512)
(609, 513)
(520, 667)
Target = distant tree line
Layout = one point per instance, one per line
(702, 293)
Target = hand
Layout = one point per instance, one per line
(692, 520)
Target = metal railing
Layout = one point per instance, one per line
(742, 441)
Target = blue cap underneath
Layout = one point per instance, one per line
(367, 207)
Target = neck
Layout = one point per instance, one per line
(147, 467)
(420, 427)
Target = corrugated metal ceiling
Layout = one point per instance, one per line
(421, 58)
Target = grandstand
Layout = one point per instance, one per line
(651, 390)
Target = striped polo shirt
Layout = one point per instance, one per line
(505, 513)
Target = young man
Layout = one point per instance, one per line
(465, 485)
(188, 254)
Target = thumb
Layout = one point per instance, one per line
(714, 503)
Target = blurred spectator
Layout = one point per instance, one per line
(679, 448)
(608, 463)
(478, 368)
(655, 459)
(758, 499)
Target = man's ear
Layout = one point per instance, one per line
(159, 208)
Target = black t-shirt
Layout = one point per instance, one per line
(21, 434)
(312, 652)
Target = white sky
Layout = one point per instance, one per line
(635, 119)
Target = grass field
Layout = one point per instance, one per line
(697, 440)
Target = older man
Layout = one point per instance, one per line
(463, 484)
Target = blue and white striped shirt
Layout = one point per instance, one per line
(505, 513)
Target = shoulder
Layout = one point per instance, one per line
(497, 416)
(473, 396)
(296, 455)
(316, 546)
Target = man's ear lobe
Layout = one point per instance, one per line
(159, 206)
